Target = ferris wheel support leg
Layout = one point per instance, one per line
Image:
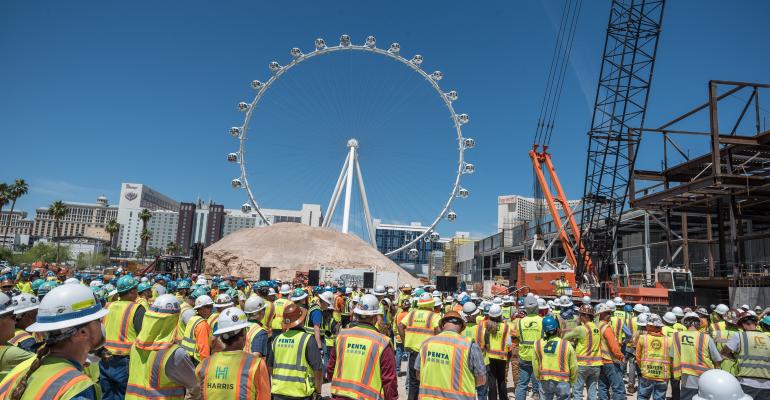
(335, 195)
(348, 189)
(365, 202)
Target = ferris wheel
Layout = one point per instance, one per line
(351, 167)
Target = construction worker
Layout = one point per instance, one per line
(69, 315)
(669, 320)
(451, 366)
(362, 364)
(256, 336)
(731, 328)
(555, 363)
(751, 351)
(144, 290)
(159, 367)
(679, 313)
(566, 318)
(561, 285)
(278, 306)
(13, 354)
(197, 333)
(694, 353)
(295, 359)
(475, 332)
(527, 330)
(611, 378)
(320, 323)
(25, 308)
(653, 350)
(233, 374)
(121, 326)
(405, 293)
(24, 285)
(718, 325)
(222, 301)
(399, 318)
(419, 325)
(497, 335)
(159, 287)
(587, 340)
(268, 294)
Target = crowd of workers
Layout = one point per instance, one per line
(77, 336)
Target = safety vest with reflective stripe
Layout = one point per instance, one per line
(229, 375)
(212, 320)
(292, 374)
(553, 354)
(607, 355)
(754, 357)
(617, 328)
(567, 325)
(727, 364)
(189, 343)
(507, 312)
(633, 325)
(267, 319)
(180, 326)
(56, 379)
(278, 305)
(20, 335)
(444, 369)
(498, 343)
(718, 332)
(668, 331)
(119, 332)
(357, 363)
(655, 363)
(679, 327)
(530, 330)
(620, 314)
(147, 377)
(250, 335)
(326, 326)
(13, 377)
(588, 347)
(691, 353)
(420, 325)
(399, 319)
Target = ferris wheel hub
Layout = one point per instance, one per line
(353, 142)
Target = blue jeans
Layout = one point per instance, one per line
(399, 355)
(553, 390)
(611, 381)
(654, 389)
(482, 392)
(588, 377)
(525, 375)
(113, 377)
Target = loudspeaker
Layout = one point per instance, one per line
(446, 284)
(264, 273)
(313, 277)
(368, 280)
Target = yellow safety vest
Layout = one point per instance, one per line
(507, 312)
(717, 331)
(212, 320)
(668, 331)
(588, 347)
(180, 326)
(498, 346)
(727, 364)
(20, 335)
(420, 325)
(55, 379)
(475, 332)
(655, 363)
(561, 287)
(292, 374)
(530, 330)
(444, 369)
(691, 353)
(617, 327)
(398, 320)
(267, 319)
(567, 325)
(189, 343)
(679, 327)
(754, 358)
(13, 377)
(250, 335)
(553, 356)
(229, 375)
(279, 305)
(360, 349)
(619, 314)
(119, 332)
(154, 346)
(633, 325)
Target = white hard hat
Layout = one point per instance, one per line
(470, 309)
(603, 308)
(200, 282)
(654, 320)
(717, 384)
(678, 311)
(495, 311)
(24, 302)
(436, 293)
(327, 297)
(66, 306)
(474, 296)
(639, 308)
(96, 283)
(449, 299)
(497, 300)
(254, 305)
(721, 309)
(348, 290)
(6, 304)
(618, 302)
(302, 296)
(641, 320)
(541, 304)
(669, 317)
(230, 320)
(647, 309)
(285, 289)
(355, 299)
(586, 300)
(368, 305)
(379, 290)
(565, 301)
(391, 291)
(271, 292)
(223, 301)
(202, 301)
(406, 286)
(530, 304)
(437, 302)
(746, 307)
(610, 304)
(166, 304)
(144, 279)
(71, 280)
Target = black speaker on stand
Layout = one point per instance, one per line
(313, 277)
(446, 284)
(264, 273)
(368, 280)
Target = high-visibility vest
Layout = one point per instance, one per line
(399, 319)
(212, 320)
(360, 350)
(607, 355)
(13, 377)
(119, 332)
(507, 312)
(475, 332)
(189, 342)
(19, 336)
(143, 302)
(553, 354)
(668, 330)
(279, 305)
(617, 327)
(346, 307)
(267, 319)
(717, 331)
(498, 346)
(619, 314)
(444, 369)
(691, 353)
(325, 328)
(679, 327)
(55, 379)
(727, 364)
(633, 325)
(561, 287)
(530, 329)
(292, 374)
(229, 375)
(754, 357)
(336, 314)
(420, 325)
(567, 325)
(588, 347)
(180, 326)
(149, 356)
(655, 363)
(250, 335)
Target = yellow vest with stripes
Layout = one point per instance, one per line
(444, 369)
(753, 360)
(212, 320)
(360, 349)
(691, 353)
(267, 319)
(148, 358)
(655, 363)
(498, 343)
(727, 364)
(189, 343)
(180, 326)
(530, 329)
(56, 379)
(229, 375)
(119, 332)
(588, 347)
(552, 355)
(19, 336)
(292, 374)
(279, 305)
(420, 325)
(250, 335)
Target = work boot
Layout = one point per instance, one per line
(630, 389)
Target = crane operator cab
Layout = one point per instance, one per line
(674, 279)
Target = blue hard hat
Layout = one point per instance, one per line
(550, 324)
(240, 283)
(628, 308)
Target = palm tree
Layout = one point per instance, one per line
(18, 189)
(145, 236)
(111, 228)
(171, 248)
(145, 216)
(57, 210)
(4, 196)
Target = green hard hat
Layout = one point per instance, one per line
(126, 284)
(36, 284)
(184, 284)
(46, 287)
(223, 286)
(143, 286)
(232, 293)
(197, 293)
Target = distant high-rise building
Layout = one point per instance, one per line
(134, 197)
(514, 209)
(80, 218)
(214, 223)
(390, 237)
(185, 224)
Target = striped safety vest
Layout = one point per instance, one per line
(278, 306)
(498, 343)
(754, 357)
(588, 347)
(357, 363)
(444, 369)
(655, 363)
(691, 353)
(20, 336)
(56, 379)
(229, 375)
(530, 329)
(420, 325)
(119, 332)
(149, 356)
(292, 374)
(607, 356)
(552, 356)
(189, 342)
(250, 335)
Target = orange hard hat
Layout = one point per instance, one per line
(293, 315)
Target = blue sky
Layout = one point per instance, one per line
(98, 93)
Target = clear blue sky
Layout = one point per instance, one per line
(96, 93)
